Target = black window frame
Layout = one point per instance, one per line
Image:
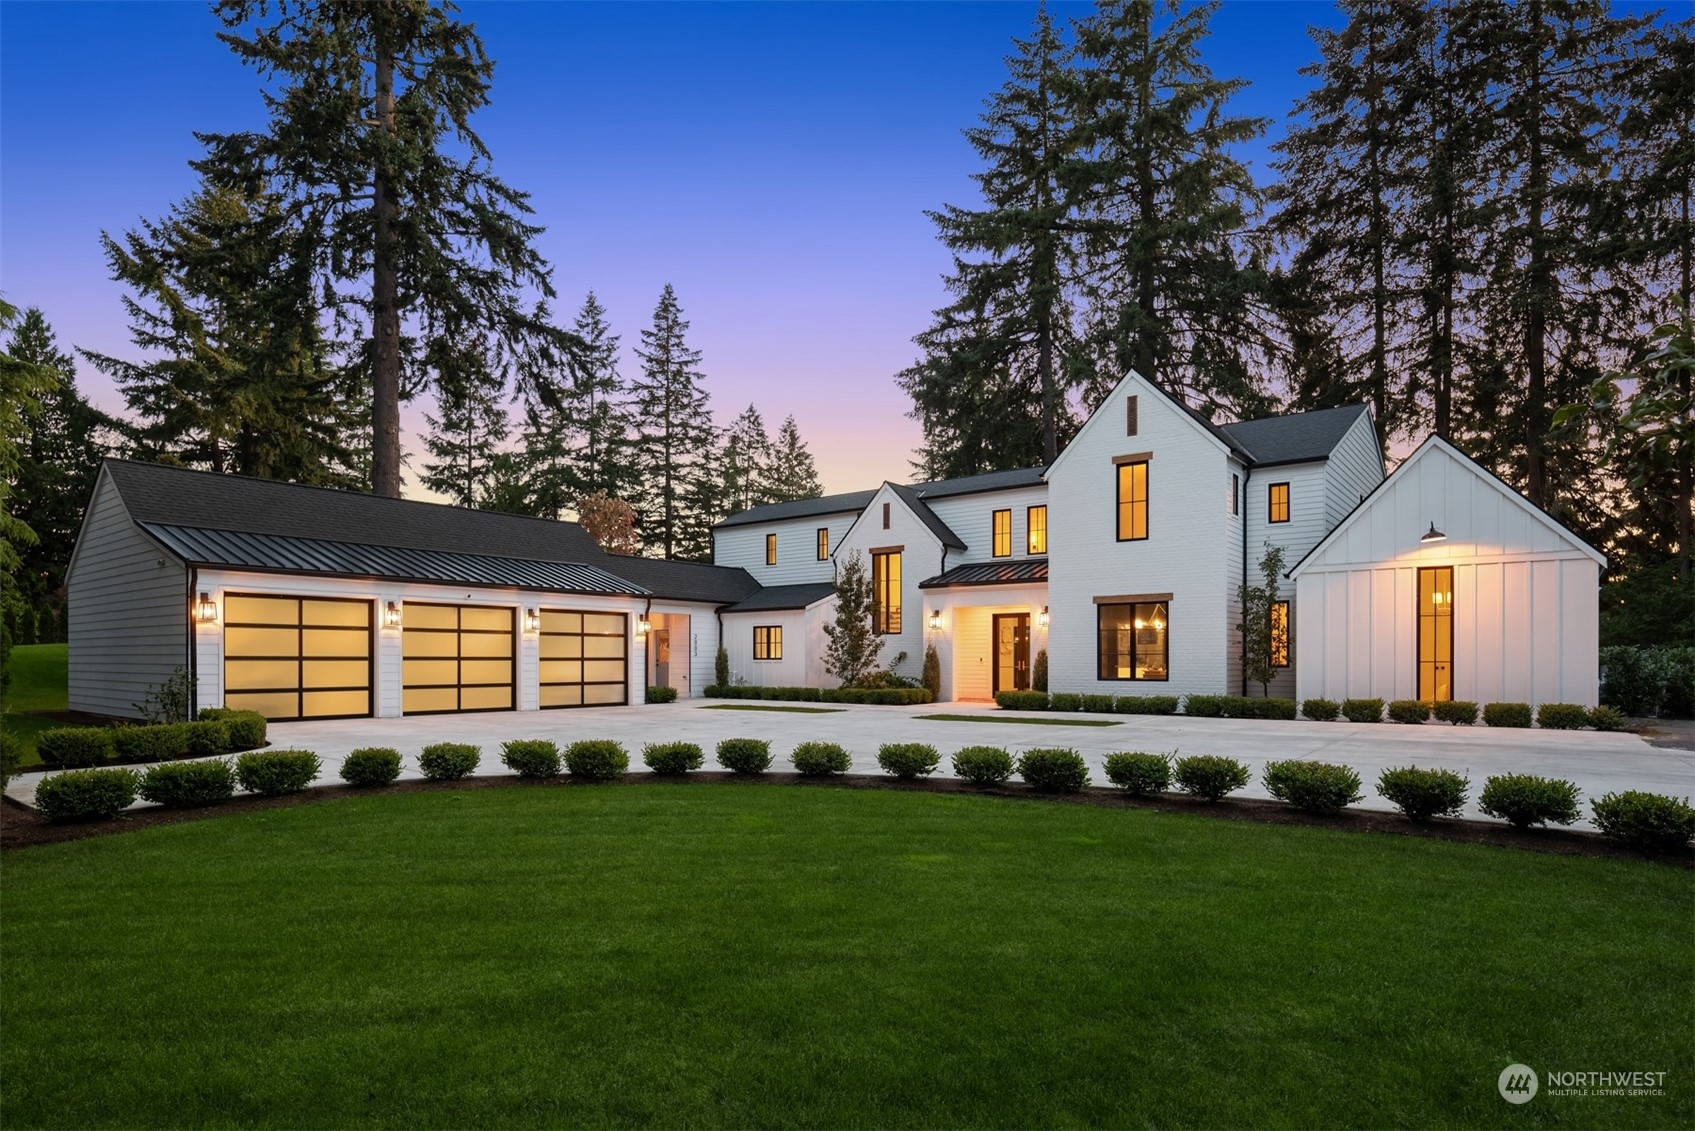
(995, 550)
(1271, 503)
(1030, 529)
(1281, 640)
(1100, 634)
(886, 619)
(770, 549)
(823, 543)
(1147, 499)
(764, 636)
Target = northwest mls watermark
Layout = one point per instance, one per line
(1519, 1084)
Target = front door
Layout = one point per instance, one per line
(1436, 634)
(1012, 652)
(661, 657)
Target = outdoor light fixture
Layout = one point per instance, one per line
(532, 620)
(643, 626)
(935, 620)
(1042, 618)
(391, 615)
(1432, 535)
(206, 609)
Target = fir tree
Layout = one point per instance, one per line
(22, 385)
(577, 431)
(794, 475)
(464, 442)
(854, 643)
(748, 463)
(673, 430)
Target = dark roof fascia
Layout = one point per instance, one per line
(1290, 462)
(931, 520)
(930, 583)
(739, 519)
(269, 571)
(984, 491)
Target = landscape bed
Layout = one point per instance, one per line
(751, 955)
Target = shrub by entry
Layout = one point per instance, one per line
(672, 758)
(817, 759)
(1650, 821)
(449, 761)
(1423, 794)
(246, 729)
(1321, 710)
(1506, 714)
(1317, 787)
(371, 766)
(75, 748)
(662, 695)
(272, 773)
(185, 785)
(745, 755)
(1021, 700)
(983, 765)
(597, 759)
(1409, 711)
(81, 795)
(151, 743)
(1209, 775)
(1459, 712)
(1562, 716)
(1053, 769)
(1606, 718)
(1139, 774)
(531, 757)
(908, 759)
(1146, 704)
(206, 738)
(1525, 800)
(1362, 710)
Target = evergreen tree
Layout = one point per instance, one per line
(464, 442)
(22, 385)
(748, 463)
(415, 244)
(794, 475)
(674, 430)
(577, 435)
(854, 643)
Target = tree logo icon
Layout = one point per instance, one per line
(1518, 1083)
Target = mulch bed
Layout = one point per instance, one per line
(22, 827)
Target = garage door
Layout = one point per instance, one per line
(584, 658)
(457, 658)
(297, 657)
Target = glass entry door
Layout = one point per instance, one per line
(1012, 652)
(1436, 634)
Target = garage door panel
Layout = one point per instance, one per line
(584, 658)
(603, 671)
(568, 695)
(351, 614)
(556, 620)
(273, 704)
(561, 647)
(430, 673)
(423, 700)
(334, 673)
(482, 619)
(604, 624)
(601, 647)
(278, 655)
(336, 642)
(485, 644)
(261, 641)
(429, 644)
(430, 616)
(242, 609)
(260, 675)
(562, 671)
(322, 703)
(458, 658)
(485, 698)
(485, 671)
(604, 694)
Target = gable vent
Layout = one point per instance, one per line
(1130, 416)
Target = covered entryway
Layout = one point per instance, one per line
(584, 658)
(1012, 652)
(457, 658)
(668, 652)
(297, 657)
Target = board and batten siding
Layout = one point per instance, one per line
(1525, 611)
(129, 610)
(921, 557)
(797, 548)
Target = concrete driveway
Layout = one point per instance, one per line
(1598, 763)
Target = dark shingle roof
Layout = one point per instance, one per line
(911, 497)
(1297, 437)
(1026, 571)
(988, 481)
(683, 581)
(776, 597)
(852, 501)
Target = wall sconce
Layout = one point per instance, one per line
(935, 620)
(1042, 618)
(391, 615)
(1432, 535)
(643, 626)
(532, 620)
(206, 609)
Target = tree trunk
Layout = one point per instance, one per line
(385, 290)
(1379, 283)
(1536, 313)
(1146, 283)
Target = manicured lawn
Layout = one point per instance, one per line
(752, 955)
(37, 684)
(1048, 721)
(763, 707)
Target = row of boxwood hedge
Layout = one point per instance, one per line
(878, 696)
(1553, 716)
(216, 731)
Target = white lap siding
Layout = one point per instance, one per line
(797, 548)
(789, 671)
(921, 557)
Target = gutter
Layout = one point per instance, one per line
(193, 643)
(1242, 509)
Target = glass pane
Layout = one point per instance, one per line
(554, 620)
(1150, 641)
(336, 612)
(260, 675)
(261, 642)
(602, 671)
(570, 695)
(604, 646)
(336, 642)
(273, 706)
(485, 698)
(429, 616)
(485, 644)
(425, 672)
(604, 694)
(319, 703)
(416, 699)
(499, 620)
(561, 647)
(485, 671)
(606, 624)
(561, 671)
(1114, 643)
(336, 673)
(421, 642)
(260, 610)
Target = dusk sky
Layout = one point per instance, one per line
(772, 161)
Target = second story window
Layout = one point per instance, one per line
(1235, 493)
(770, 549)
(885, 591)
(1132, 501)
(823, 543)
(1037, 522)
(1003, 534)
(1277, 502)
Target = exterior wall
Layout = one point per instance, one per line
(921, 557)
(790, 671)
(129, 607)
(701, 645)
(1308, 524)
(797, 548)
(963, 642)
(972, 518)
(1354, 470)
(1191, 550)
(1526, 619)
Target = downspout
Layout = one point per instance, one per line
(193, 644)
(1242, 509)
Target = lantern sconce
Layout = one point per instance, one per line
(532, 620)
(391, 615)
(1042, 618)
(935, 620)
(206, 609)
(1432, 535)
(643, 626)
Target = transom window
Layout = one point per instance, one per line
(1133, 501)
(768, 642)
(823, 543)
(1133, 641)
(770, 549)
(1277, 502)
(1280, 634)
(885, 589)
(1036, 520)
(1003, 534)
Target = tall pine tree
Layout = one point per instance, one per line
(464, 444)
(577, 438)
(747, 462)
(794, 475)
(674, 436)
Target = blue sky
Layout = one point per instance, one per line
(773, 161)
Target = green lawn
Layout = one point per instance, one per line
(753, 955)
(37, 684)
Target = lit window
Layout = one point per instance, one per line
(1280, 634)
(1277, 502)
(823, 543)
(1037, 520)
(1132, 641)
(768, 642)
(1003, 534)
(770, 549)
(885, 590)
(1132, 501)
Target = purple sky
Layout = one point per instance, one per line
(771, 161)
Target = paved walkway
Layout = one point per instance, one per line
(1598, 763)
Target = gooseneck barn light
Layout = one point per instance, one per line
(1432, 535)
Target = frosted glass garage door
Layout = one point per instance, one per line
(584, 658)
(297, 657)
(457, 658)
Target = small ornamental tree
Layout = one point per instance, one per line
(611, 522)
(854, 644)
(1260, 641)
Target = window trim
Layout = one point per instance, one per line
(1287, 640)
(770, 549)
(1235, 493)
(1118, 501)
(1030, 529)
(772, 643)
(883, 623)
(995, 534)
(1271, 503)
(1100, 607)
(823, 543)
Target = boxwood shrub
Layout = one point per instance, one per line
(1053, 769)
(371, 766)
(247, 729)
(1021, 700)
(76, 748)
(908, 759)
(151, 743)
(1100, 704)
(1065, 701)
(1562, 716)
(1362, 710)
(531, 757)
(1146, 704)
(203, 739)
(184, 785)
(673, 758)
(81, 795)
(1317, 787)
(1209, 775)
(1409, 711)
(982, 765)
(1650, 821)
(1204, 706)
(275, 772)
(788, 694)
(877, 696)
(745, 755)
(1459, 712)
(1139, 774)
(1506, 714)
(818, 759)
(662, 695)
(597, 759)
(1320, 710)
(1238, 707)
(449, 761)
(1604, 717)
(1423, 794)
(1526, 799)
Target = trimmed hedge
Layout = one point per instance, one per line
(1065, 701)
(783, 694)
(151, 743)
(1525, 800)
(81, 795)
(597, 759)
(1562, 716)
(876, 696)
(1459, 712)
(1317, 787)
(185, 785)
(1423, 794)
(745, 755)
(672, 758)
(1021, 700)
(983, 765)
(1238, 707)
(1146, 704)
(531, 757)
(449, 761)
(1604, 717)
(1409, 711)
(1650, 821)
(76, 748)
(1209, 775)
(1506, 714)
(1321, 710)
(662, 695)
(1053, 769)
(1139, 774)
(908, 759)
(1362, 710)
(272, 773)
(1100, 704)
(371, 766)
(204, 739)
(819, 759)
(247, 729)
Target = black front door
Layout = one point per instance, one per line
(1012, 652)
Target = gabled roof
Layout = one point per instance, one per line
(775, 598)
(911, 497)
(682, 581)
(1026, 572)
(852, 501)
(1297, 437)
(987, 481)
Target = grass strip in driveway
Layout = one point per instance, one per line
(763, 707)
(1020, 719)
